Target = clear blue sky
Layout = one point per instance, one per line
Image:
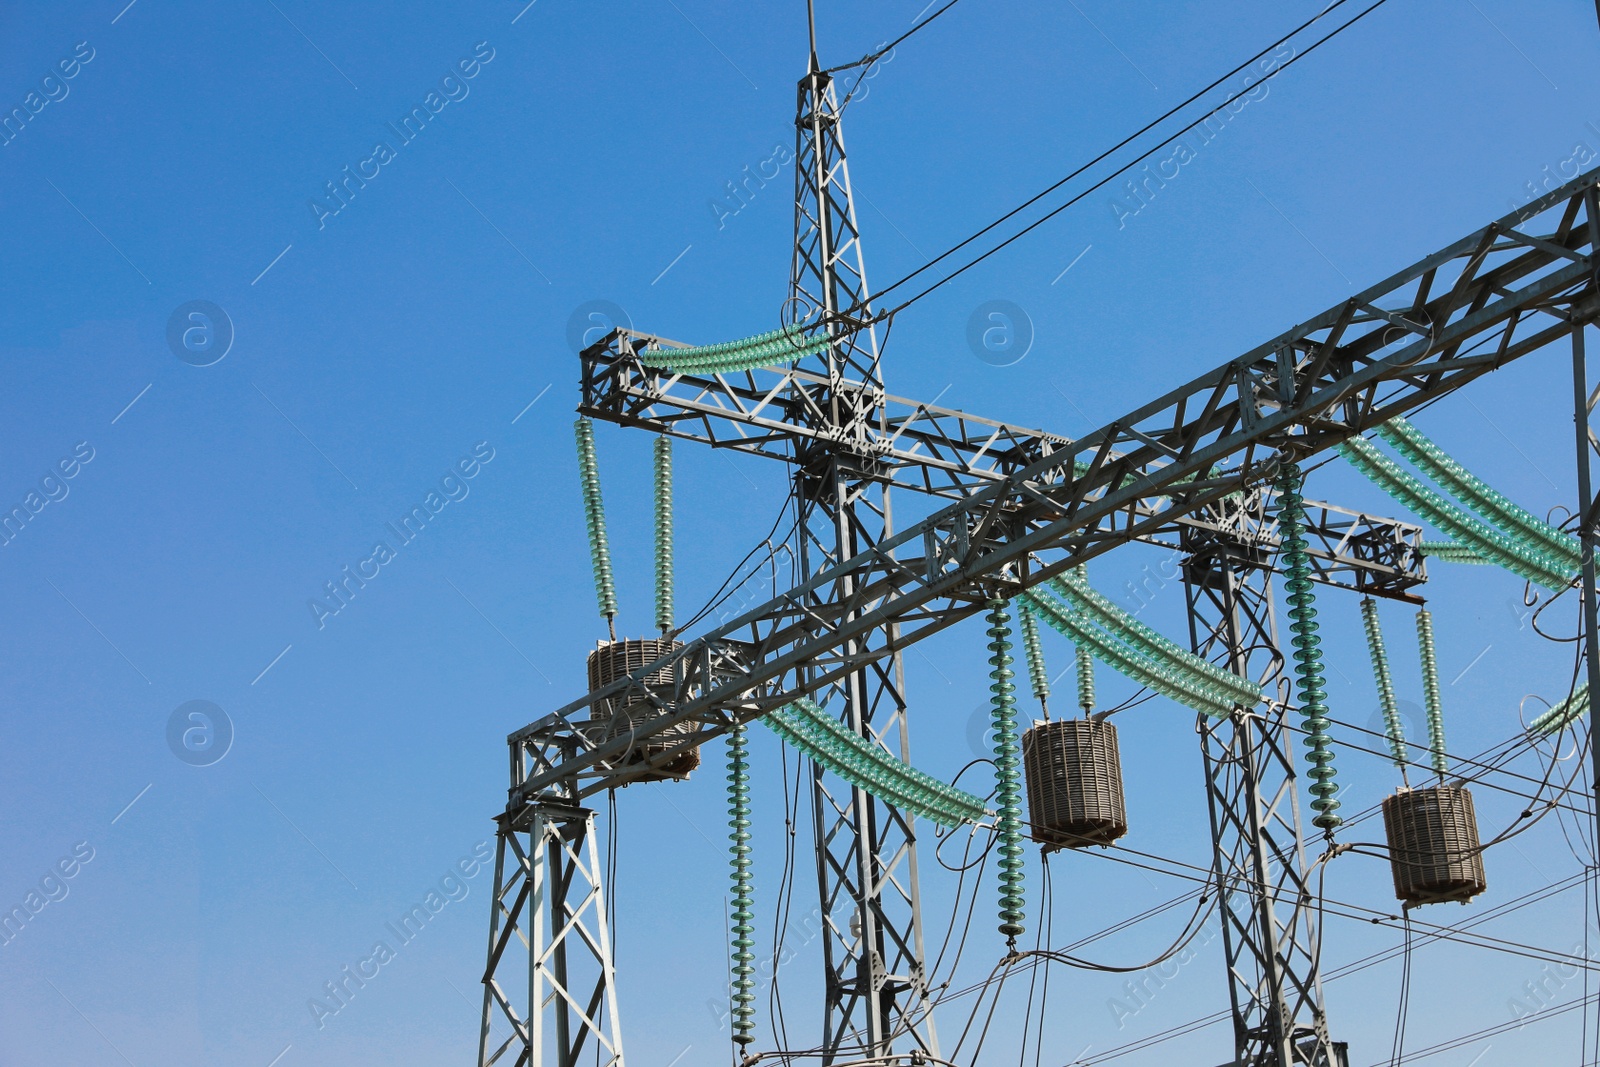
(375, 347)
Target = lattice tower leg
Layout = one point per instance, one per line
(1270, 940)
(549, 910)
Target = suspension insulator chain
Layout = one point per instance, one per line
(1430, 693)
(1085, 660)
(663, 485)
(1313, 686)
(594, 514)
(1036, 669)
(1083, 657)
(743, 985)
(1008, 780)
(1393, 727)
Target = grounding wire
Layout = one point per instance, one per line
(615, 829)
(872, 57)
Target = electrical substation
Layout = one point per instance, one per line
(1222, 469)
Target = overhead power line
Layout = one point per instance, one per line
(1110, 151)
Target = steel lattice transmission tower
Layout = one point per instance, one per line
(1015, 507)
(1268, 912)
(872, 945)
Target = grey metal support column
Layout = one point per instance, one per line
(876, 985)
(1581, 406)
(1587, 533)
(1583, 402)
(1270, 941)
(549, 896)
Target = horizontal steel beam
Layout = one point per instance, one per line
(1484, 301)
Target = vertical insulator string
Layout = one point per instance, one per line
(1085, 660)
(1008, 779)
(663, 488)
(743, 986)
(594, 514)
(1037, 674)
(1393, 728)
(1313, 685)
(1430, 693)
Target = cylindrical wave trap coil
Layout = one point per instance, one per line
(1433, 845)
(1074, 775)
(622, 713)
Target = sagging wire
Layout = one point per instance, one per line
(785, 896)
(1047, 907)
(1335, 4)
(1526, 820)
(1354, 967)
(723, 591)
(1403, 1006)
(1191, 929)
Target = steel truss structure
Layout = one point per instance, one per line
(1269, 935)
(876, 985)
(1026, 506)
(549, 896)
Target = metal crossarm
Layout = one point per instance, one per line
(1474, 307)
